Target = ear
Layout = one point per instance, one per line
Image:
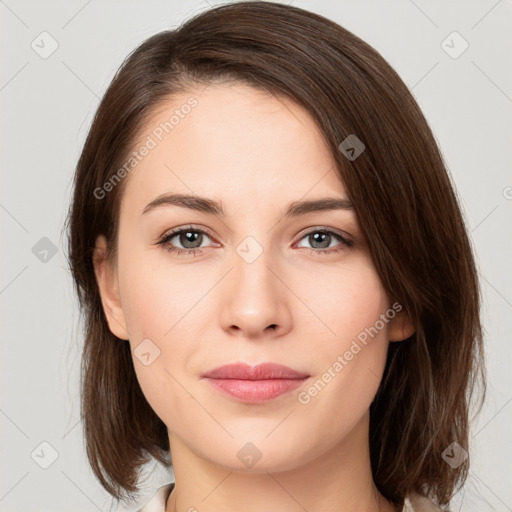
(106, 277)
(401, 326)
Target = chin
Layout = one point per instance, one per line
(249, 455)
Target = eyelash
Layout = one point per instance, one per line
(345, 242)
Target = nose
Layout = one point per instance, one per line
(255, 302)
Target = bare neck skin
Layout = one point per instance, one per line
(339, 480)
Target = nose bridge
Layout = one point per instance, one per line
(254, 264)
(256, 295)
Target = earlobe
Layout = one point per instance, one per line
(401, 327)
(109, 291)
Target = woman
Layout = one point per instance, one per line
(277, 374)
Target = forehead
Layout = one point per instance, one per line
(231, 141)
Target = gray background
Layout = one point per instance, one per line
(47, 105)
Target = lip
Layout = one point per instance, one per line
(258, 383)
(263, 371)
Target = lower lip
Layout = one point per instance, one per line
(255, 390)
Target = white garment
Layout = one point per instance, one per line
(414, 503)
(158, 501)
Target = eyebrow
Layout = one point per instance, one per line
(203, 204)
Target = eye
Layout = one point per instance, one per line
(322, 238)
(191, 238)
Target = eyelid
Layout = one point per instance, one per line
(313, 229)
(191, 227)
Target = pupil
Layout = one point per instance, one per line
(190, 237)
(317, 237)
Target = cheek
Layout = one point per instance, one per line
(165, 317)
(350, 352)
(157, 295)
(162, 338)
(347, 301)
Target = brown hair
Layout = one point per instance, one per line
(406, 207)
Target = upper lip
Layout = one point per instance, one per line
(262, 371)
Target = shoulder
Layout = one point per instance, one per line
(417, 503)
(158, 501)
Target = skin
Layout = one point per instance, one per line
(255, 153)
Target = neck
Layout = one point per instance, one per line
(339, 480)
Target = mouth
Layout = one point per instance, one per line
(255, 384)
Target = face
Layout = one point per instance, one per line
(251, 285)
